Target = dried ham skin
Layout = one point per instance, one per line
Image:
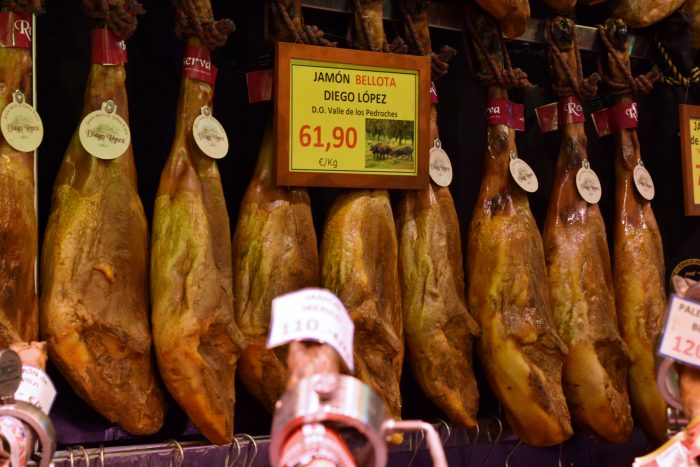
(196, 340)
(94, 269)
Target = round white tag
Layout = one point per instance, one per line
(104, 134)
(588, 185)
(209, 135)
(643, 182)
(523, 175)
(21, 125)
(440, 167)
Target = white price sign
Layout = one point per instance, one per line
(681, 337)
(36, 388)
(672, 453)
(312, 314)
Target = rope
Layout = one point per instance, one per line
(311, 35)
(584, 88)
(676, 78)
(641, 84)
(26, 7)
(189, 22)
(439, 62)
(118, 15)
(501, 73)
(364, 26)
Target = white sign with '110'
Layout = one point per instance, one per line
(312, 314)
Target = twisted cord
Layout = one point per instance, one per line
(26, 7)
(641, 84)
(118, 15)
(188, 23)
(439, 63)
(499, 73)
(364, 26)
(308, 34)
(584, 88)
(676, 78)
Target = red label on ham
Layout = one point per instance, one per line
(259, 85)
(15, 30)
(107, 49)
(433, 93)
(614, 119)
(552, 116)
(197, 65)
(504, 112)
(570, 110)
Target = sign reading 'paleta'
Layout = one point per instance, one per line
(348, 118)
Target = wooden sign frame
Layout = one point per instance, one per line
(687, 115)
(355, 62)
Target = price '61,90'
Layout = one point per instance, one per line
(346, 137)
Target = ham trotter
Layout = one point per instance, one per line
(519, 347)
(94, 266)
(359, 260)
(438, 327)
(19, 312)
(274, 249)
(638, 259)
(578, 262)
(196, 340)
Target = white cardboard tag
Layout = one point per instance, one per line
(523, 175)
(681, 336)
(104, 134)
(36, 388)
(643, 182)
(588, 185)
(21, 125)
(440, 166)
(316, 315)
(210, 135)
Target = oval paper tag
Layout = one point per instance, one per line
(104, 134)
(21, 125)
(588, 185)
(523, 175)
(209, 135)
(440, 167)
(643, 182)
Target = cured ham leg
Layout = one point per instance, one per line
(580, 281)
(274, 252)
(359, 263)
(638, 267)
(94, 269)
(196, 341)
(438, 327)
(19, 313)
(519, 347)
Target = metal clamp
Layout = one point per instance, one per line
(331, 398)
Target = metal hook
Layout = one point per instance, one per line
(87, 458)
(254, 443)
(102, 455)
(472, 444)
(179, 451)
(559, 462)
(512, 451)
(495, 441)
(416, 446)
(71, 459)
(442, 422)
(228, 453)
